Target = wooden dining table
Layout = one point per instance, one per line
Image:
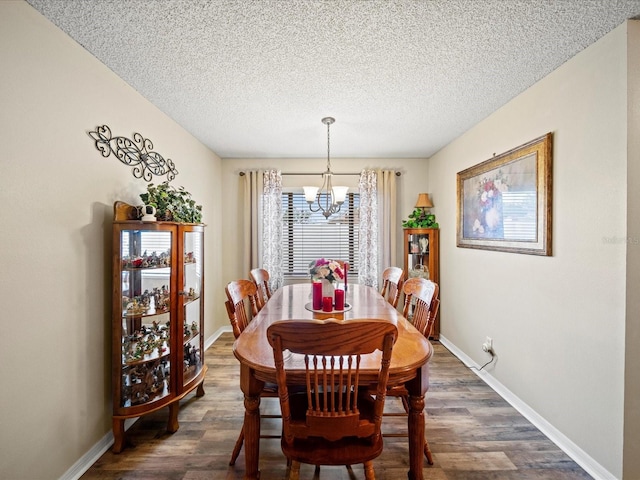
(409, 362)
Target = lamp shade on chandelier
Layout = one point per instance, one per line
(328, 198)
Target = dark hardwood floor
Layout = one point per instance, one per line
(473, 433)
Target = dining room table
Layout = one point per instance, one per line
(409, 361)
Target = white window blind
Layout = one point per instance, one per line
(308, 236)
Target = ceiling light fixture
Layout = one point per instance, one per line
(328, 199)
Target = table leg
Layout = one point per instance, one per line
(416, 436)
(251, 388)
(417, 387)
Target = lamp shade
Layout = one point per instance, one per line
(340, 194)
(424, 201)
(310, 193)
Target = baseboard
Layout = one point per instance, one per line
(84, 463)
(92, 456)
(578, 455)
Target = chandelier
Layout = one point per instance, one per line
(328, 199)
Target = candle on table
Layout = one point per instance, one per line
(339, 299)
(327, 304)
(317, 295)
(346, 269)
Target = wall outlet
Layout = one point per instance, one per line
(487, 346)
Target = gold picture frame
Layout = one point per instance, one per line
(504, 203)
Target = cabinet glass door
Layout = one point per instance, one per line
(418, 255)
(192, 304)
(145, 291)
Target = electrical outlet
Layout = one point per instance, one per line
(487, 346)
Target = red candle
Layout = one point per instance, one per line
(339, 299)
(327, 304)
(317, 295)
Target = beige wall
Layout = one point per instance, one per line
(57, 195)
(558, 323)
(632, 352)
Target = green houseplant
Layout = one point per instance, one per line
(420, 219)
(172, 204)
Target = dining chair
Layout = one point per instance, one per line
(392, 278)
(242, 306)
(421, 304)
(344, 265)
(334, 421)
(261, 278)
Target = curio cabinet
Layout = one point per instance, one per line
(422, 259)
(158, 315)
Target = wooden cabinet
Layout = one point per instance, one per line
(422, 258)
(158, 317)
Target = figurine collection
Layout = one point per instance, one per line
(145, 347)
(146, 369)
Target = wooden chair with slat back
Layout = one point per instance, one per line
(241, 295)
(344, 265)
(261, 278)
(421, 305)
(392, 279)
(334, 422)
(418, 296)
(242, 306)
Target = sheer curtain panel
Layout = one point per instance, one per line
(272, 228)
(378, 224)
(368, 185)
(263, 223)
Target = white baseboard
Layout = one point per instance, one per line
(84, 463)
(578, 455)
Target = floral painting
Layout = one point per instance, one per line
(504, 203)
(485, 198)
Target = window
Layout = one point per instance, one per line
(308, 236)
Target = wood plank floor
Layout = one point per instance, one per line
(473, 433)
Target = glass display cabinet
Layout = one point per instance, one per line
(158, 315)
(422, 259)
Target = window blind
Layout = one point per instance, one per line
(308, 236)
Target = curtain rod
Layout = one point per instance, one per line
(242, 174)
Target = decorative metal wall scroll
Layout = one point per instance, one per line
(136, 153)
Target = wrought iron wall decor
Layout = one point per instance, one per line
(137, 153)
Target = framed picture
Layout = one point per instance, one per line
(504, 203)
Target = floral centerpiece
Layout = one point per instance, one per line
(325, 269)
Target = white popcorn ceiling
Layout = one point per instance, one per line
(403, 78)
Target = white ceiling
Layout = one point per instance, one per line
(253, 78)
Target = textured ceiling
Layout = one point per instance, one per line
(253, 78)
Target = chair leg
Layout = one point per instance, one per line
(368, 471)
(237, 448)
(427, 452)
(294, 472)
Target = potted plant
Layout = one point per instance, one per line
(420, 219)
(172, 204)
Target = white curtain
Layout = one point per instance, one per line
(368, 267)
(388, 230)
(378, 224)
(272, 227)
(263, 223)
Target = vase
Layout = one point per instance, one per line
(328, 288)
